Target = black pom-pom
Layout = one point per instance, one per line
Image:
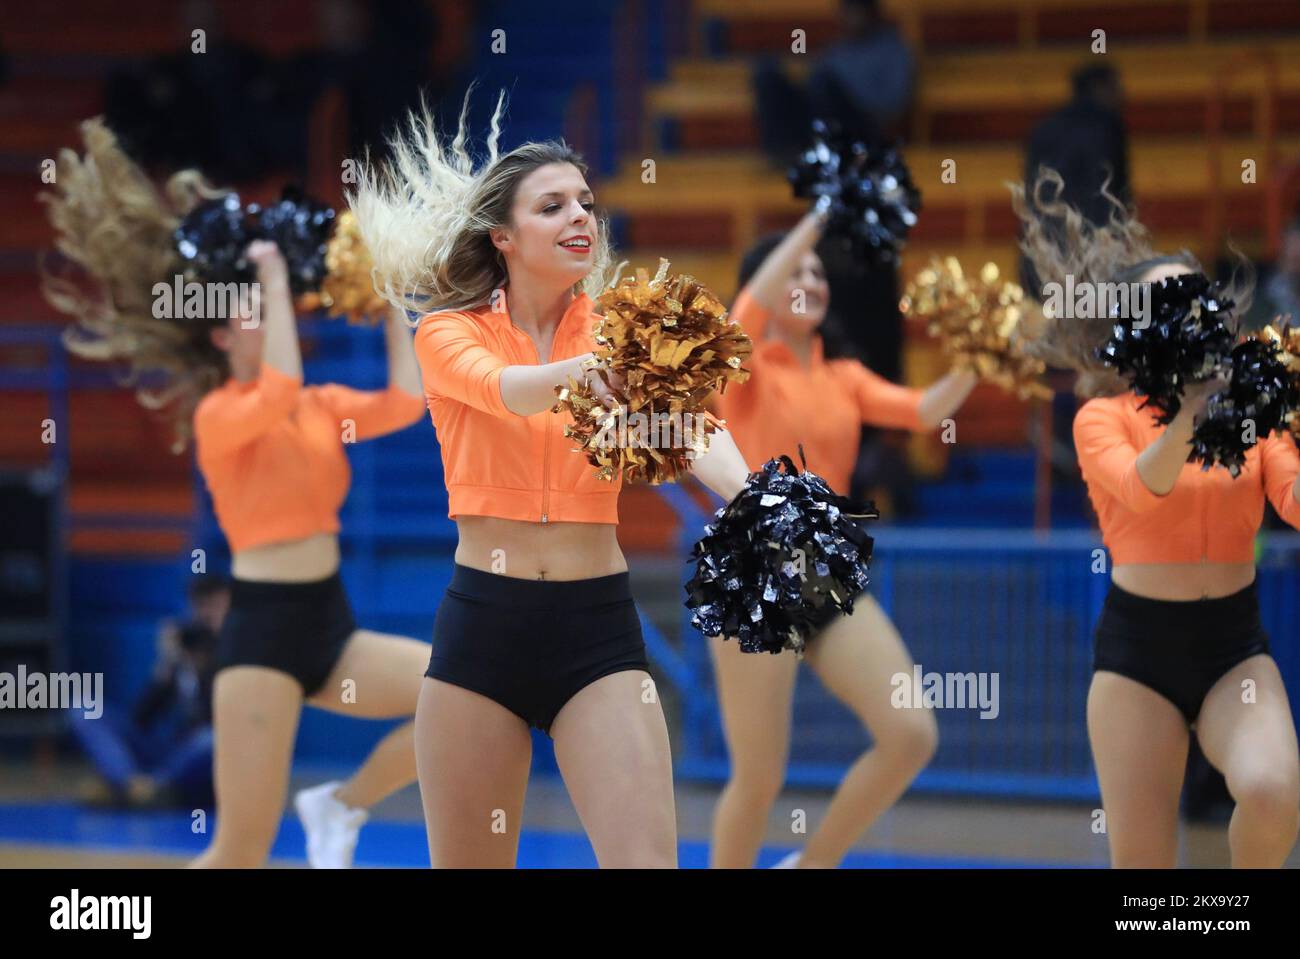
(1260, 395)
(211, 241)
(1187, 338)
(779, 560)
(869, 194)
(301, 228)
(213, 237)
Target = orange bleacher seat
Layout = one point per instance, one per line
(112, 436)
(693, 229)
(945, 30)
(1257, 16)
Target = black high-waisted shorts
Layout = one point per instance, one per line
(296, 628)
(530, 645)
(1178, 649)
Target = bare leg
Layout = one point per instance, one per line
(473, 756)
(1139, 746)
(755, 693)
(611, 745)
(1253, 743)
(255, 718)
(377, 677)
(856, 658)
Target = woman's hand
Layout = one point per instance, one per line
(272, 270)
(605, 385)
(272, 285)
(1197, 395)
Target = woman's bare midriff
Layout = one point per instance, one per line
(1184, 581)
(555, 551)
(297, 561)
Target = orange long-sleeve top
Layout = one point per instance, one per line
(823, 406)
(271, 451)
(495, 462)
(1208, 516)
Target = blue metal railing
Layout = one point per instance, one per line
(1017, 605)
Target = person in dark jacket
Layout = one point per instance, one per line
(1086, 142)
(862, 84)
(161, 752)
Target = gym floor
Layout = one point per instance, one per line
(43, 825)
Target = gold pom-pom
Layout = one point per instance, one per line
(347, 289)
(1287, 338)
(668, 338)
(652, 445)
(664, 343)
(976, 320)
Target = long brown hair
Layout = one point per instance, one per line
(1060, 243)
(114, 225)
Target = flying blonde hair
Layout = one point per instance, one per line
(112, 223)
(426, 215)
(1059, 243)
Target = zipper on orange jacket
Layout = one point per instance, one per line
(546, 430)
(546, 465)
(546, 439)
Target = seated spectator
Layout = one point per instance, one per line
(161, 753)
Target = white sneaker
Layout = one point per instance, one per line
(789, 862)
(331, 826)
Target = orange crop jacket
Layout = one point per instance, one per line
(1207, 517)
(271, 452)
(495, 462)
(823, 407)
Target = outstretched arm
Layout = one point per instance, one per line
(527, 390)
(455, 363)
(722, 469)
(945, 396)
